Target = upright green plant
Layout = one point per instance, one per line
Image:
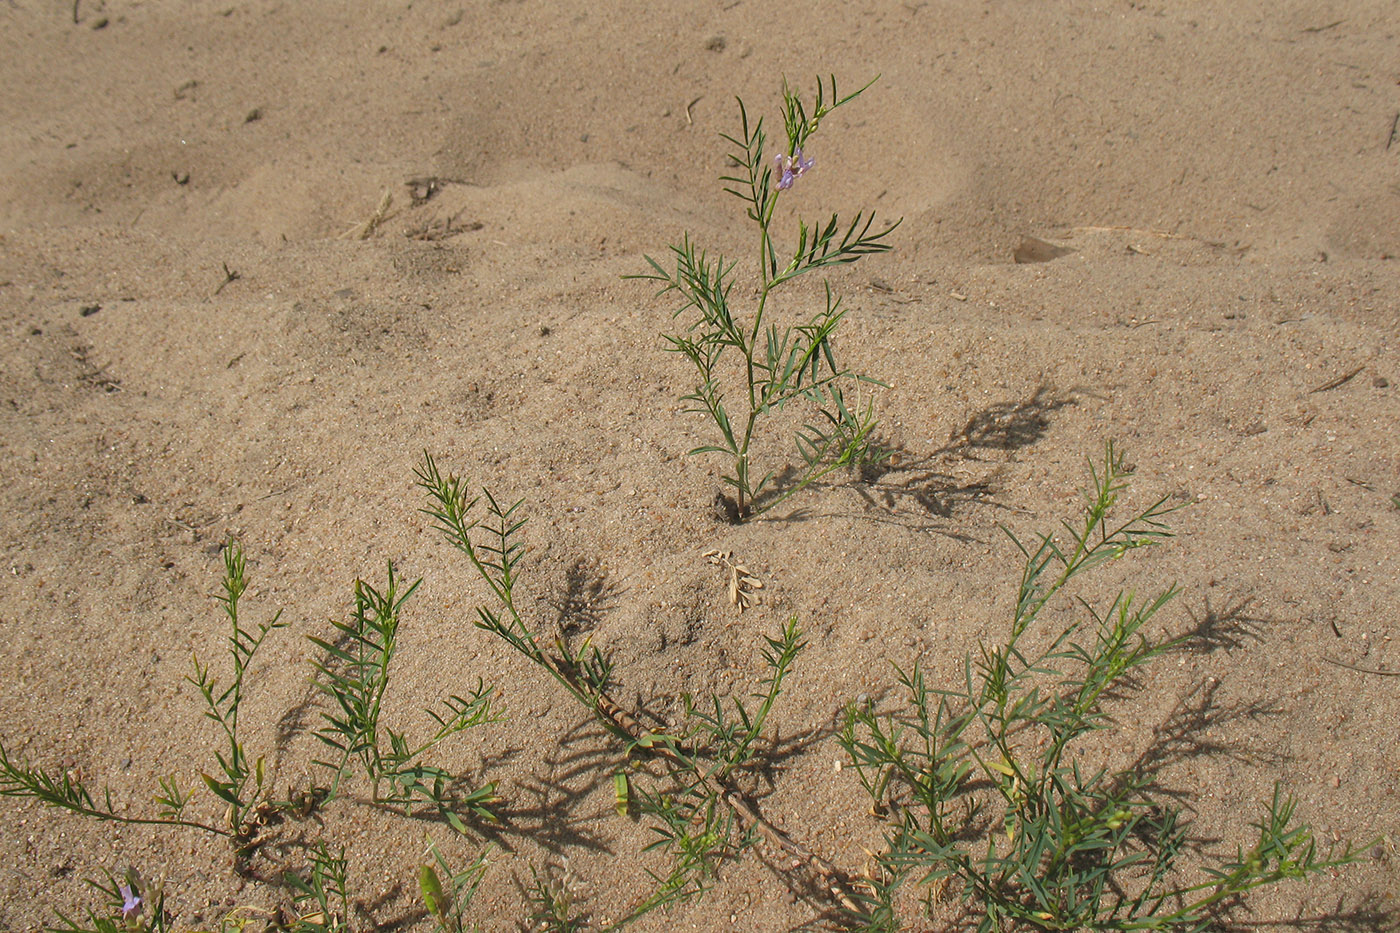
(321, 893)
(241, 784)
(355, 675)
(775, 366)
(494, 549)
(1061, 848)
(448, 903)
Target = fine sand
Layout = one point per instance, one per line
(256, 257)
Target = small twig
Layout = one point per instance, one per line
(75, 11)
(1340, 380)
(689, 107)
(229, 276)
(1394, 128)
(1324, 28)
(1362, 670)
(1120, 228)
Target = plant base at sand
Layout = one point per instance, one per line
(746, 366)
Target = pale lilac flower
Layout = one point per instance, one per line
(791, 167)
(131, 902)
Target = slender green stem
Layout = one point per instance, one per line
(152, 821)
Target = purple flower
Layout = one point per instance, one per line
(791, 167)
(131, 902)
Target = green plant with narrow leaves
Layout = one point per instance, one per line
(242, 785)
(982, 785)
(495, 550)
(240, 782)
(1052, 845)
(321, 893)
(447, 902)
(63, 791)
(746, 365)
(354, 674)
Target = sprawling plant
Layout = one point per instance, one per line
(984, 793)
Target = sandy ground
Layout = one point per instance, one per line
(195, 350)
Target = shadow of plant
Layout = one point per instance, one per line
(1185, 734)
(915, 485)
(779, 750)
(1370, 915)
(900, 486)
(587, 595)
(911, 495)
(584, 758)
(1008, 426)
(1229, 627)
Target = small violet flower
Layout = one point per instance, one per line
(131, 902)
(791, 167)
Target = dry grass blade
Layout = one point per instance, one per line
(366, 230)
